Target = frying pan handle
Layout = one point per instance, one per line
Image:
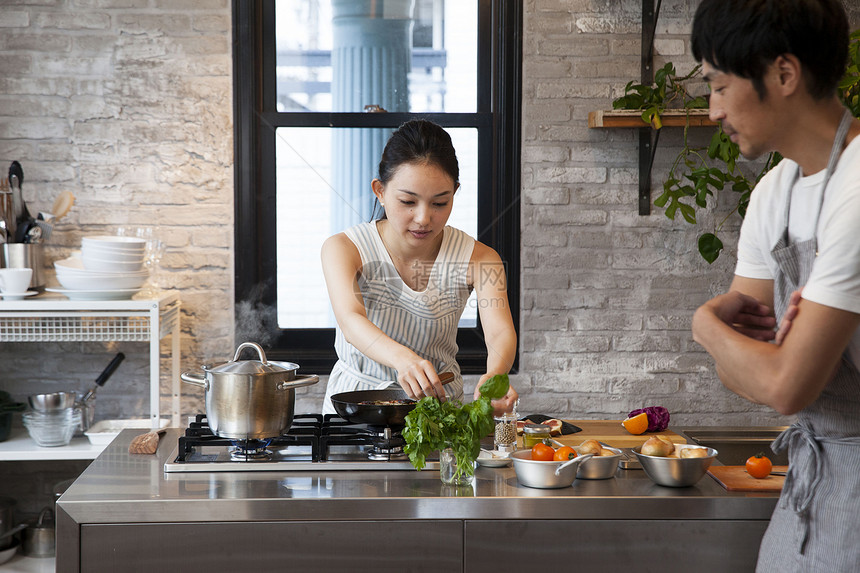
(110, 369)
(195, 378)
(298, 382)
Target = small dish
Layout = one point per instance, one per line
(118, 294)
(103, 432)
(17, 295)
(9, 552)
(494, 458)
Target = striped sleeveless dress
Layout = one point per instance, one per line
(425, 322)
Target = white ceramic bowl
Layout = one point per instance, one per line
(9, 552)
(101, 282)
(107, 255)
(96, 264)
(74, 266)
(116, 242)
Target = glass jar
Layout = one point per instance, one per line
(533, 434)
(448, 469)
(505, 433)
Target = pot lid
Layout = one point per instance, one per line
(253, 367)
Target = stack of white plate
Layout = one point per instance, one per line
(109, 267)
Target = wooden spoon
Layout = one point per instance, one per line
(145, 443)
(62, 204)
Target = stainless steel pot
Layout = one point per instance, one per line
(250, 399)
(39, 539)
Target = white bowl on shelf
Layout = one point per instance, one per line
(116, 242)
(109, 255)
(111, 265)
(9, 552)
(72, 275)
(74, 265)
(99, 282)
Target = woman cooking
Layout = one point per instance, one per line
(398, 285)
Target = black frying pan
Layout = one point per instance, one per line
(349, 407)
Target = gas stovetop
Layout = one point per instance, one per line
(313, 442)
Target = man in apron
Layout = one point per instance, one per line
(773, 68)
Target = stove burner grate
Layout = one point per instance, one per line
(303, 432)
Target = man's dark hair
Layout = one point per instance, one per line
(743, 37)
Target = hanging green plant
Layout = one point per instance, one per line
(700, 172)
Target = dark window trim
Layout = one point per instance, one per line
(255, 188)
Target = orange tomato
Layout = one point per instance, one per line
(759, 466)
(564, 453)
(542, 452)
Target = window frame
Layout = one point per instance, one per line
(497, 118)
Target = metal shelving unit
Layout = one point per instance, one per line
(54, 318)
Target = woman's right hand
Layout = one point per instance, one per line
(418, 378)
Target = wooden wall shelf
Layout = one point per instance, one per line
(633, 118)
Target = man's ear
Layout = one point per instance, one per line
(789, 73)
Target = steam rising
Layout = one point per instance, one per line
(255, 321)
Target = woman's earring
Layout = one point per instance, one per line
(381, 204)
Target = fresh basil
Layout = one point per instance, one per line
(434, 425)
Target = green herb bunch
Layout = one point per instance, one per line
(434, 425)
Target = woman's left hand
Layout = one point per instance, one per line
(502, 405)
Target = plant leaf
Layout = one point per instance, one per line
(710, 247)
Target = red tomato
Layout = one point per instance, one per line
(564, 453)
(759, 466)
(542, 452)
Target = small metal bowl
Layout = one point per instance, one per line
(599, 467)
(675, 472)
(534, 473)
(52, 402)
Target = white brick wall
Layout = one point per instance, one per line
(128, 104)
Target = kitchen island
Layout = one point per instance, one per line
(126, 514)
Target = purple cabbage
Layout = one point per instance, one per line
(658, 417)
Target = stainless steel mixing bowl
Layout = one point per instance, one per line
(675, 472)
(599, 467)
(52, 402)
(533, 473)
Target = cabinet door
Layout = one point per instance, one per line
(430, 546)
(664, 546)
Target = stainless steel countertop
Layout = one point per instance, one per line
(122, 488)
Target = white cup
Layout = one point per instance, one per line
(15, 281)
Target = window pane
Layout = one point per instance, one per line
(323, 187)
(404, 55)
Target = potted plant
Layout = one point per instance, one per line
(699, 172)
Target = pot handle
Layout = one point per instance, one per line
(195, 378)
(253, 345)
(574, 462)
(306, 380)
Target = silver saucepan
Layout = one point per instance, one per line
(250, 399)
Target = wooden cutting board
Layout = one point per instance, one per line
(611, 432)
(736, 478)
